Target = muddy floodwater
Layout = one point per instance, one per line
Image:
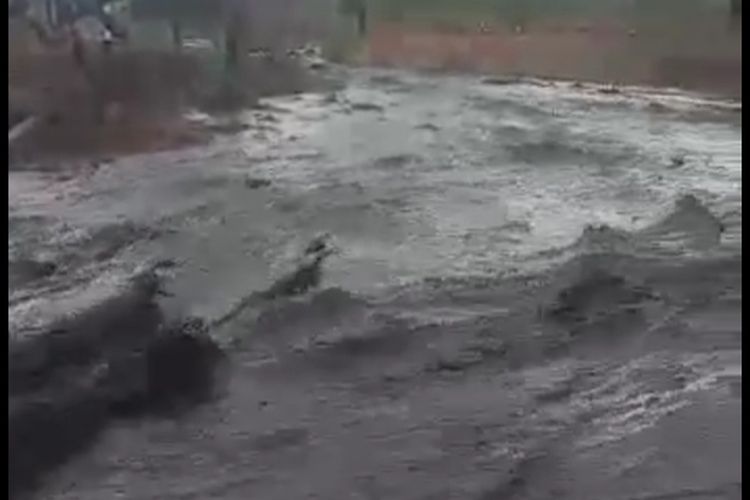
(535, 293)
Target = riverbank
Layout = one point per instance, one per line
(131, 101)
(598, 51)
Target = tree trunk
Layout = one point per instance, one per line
(232, 32)
(231, 51)
(362, 19)
(177, 35)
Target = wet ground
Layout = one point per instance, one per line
(536, 292)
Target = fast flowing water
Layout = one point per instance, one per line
(537, 292)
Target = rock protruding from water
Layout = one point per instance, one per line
(610, 89)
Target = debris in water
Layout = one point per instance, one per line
(677, 160)
(231, 127)
(166, 263)
(610, 89)
(305, 277)
(366, 106)
(256, 183)
(502, 80)
(319, 244)
(657, 107)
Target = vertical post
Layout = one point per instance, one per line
(231, 45)
(176, 26)
(362, 18)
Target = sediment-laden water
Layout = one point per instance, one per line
(535, 291)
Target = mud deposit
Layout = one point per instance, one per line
(531, 291)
